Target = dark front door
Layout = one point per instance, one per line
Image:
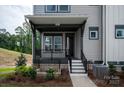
(70, 43)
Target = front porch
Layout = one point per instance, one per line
(61, 39)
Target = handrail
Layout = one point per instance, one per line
(84, 61)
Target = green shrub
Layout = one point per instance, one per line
(26, 71)
(32, 73)
(21, 70)
(50, 74)
(112, 70)
(21, 60)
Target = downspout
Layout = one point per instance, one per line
(101, 32)
(104, 33)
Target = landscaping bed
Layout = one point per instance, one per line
(13, 80)
(103, 83)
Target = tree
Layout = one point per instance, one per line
(21, 37)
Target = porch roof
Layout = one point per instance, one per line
(56, 19)
(55, 23)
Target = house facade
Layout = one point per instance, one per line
(83, 32)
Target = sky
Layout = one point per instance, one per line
(12, 16)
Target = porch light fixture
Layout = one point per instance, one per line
(57, 24)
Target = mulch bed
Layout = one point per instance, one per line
(102, 83)
(19, 81)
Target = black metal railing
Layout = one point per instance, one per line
(50, 58)
(50, 54)
(70, 62)
(84, 61)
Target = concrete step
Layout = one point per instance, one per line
(76, 60)
(74, 70)
(78, 68)
(77, 63)
(78, 73)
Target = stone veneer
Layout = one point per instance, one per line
(56, 67)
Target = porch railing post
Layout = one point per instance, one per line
(70, 62)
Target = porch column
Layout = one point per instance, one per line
(33, 42)
(82, 32)
(33, 46)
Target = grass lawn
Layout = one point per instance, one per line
(2, 70)
(7, 58)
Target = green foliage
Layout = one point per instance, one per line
(21, 60)
(21, 70)
(21, 41)
(32, 73)
(112, 70)
(50, 74)
(7, 69)
(26, 71)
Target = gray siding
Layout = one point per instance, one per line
(114, 47)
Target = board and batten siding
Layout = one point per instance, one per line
(92, 48)
(114, 47)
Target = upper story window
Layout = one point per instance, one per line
(119, 31)
(57, 8)
(51, 8)
(63, 8)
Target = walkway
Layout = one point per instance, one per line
(81, 80)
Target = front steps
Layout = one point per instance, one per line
(77, 67)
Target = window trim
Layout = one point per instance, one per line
(51, 11)
(96, 30)
(60, 11)
(118, 27)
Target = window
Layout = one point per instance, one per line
(57, 43)
(51, 8)
(57, 8)
(63, 8)
(93, 33)
(48, 43)
(119, 31)
(53, 42)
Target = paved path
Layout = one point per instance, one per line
(81, 81)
